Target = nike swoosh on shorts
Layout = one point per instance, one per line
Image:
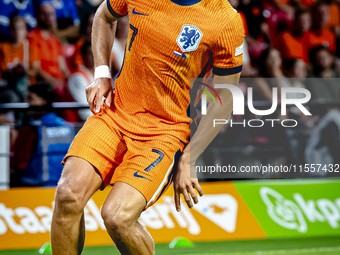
(140, 176)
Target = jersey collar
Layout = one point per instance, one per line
(185, 2)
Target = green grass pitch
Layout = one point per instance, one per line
(307, 246)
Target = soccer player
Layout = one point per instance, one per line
(134, 139)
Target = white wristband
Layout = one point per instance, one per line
(102, 71)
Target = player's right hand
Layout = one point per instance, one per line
(184, 183)
(96, 91)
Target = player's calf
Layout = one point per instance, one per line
(120, 213)
(127, 233)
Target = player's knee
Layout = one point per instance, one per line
(117, 220)
(67, 199)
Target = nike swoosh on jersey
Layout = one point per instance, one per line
(138, 13)
(140, 176)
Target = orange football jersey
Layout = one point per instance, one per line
(170, 42)
(11, 56)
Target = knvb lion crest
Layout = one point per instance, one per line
(189, 38)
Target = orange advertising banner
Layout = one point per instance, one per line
(221, 214)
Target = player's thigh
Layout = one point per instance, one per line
(78, 182)
(100, 144)
(123, 205)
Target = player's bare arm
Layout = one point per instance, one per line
(103, 32)
(183, 182)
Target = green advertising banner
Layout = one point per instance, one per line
(294, 208)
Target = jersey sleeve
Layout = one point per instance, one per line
(228, 50)
(118, 8)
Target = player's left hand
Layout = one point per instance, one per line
(184, 184)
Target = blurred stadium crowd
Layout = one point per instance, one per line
(46, 57)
